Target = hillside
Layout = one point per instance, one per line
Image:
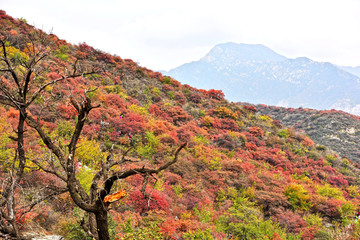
(337, 130)
(258, 75)
(94, 146)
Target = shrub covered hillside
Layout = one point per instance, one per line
(92, 146)
(335, 129)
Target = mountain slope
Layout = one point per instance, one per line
(242, 175)
(337, 130)
(256, 74)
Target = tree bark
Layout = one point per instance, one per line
(102, 222)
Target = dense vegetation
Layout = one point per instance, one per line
(337, 130)
(242, 175)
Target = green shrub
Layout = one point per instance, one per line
(145, 233)
(284, 133)
(243, 220)
(297, 196)
(198, 234)
(330, 192)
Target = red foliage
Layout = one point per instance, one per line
(157, 200)
(184, 134)
(131, 123)
(80, 55)
(98, 114)
(170, 227)
(293, 222)
(175, 83)
(215, 94)
(329, 207)
(250, 146)
(54, 75)
(85, 48)
(226, 124)
(13, 32)
(250, 108)
(190, 200)
(13, 113)
(67, 111)
(22, 216)
(155, 109)
(3, 15)
(160, 127)
(187, 131)
(308, 142)
(156, 75)
(39, 178)
(170, 139)
(180, 98)
(329, 169)
(105, 57)
(247, 167)
(194, 97)
(114, 100)
(225, 141)
(256, 131)
(172, 114)
(172, 178)
(178, 114)
(167, 88)
(339, 181)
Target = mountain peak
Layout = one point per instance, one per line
(230, 52)
(254, 73)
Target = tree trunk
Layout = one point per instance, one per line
(92, 225)
(102, 224)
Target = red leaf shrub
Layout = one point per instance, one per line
(114, 100)
(54, 75)
(180, 98)
(157, 200)
(250, 108)
(225, 141)
(194, 97)
(293, 222)
(216, 94)
(256, 131)
(166, 88)
(67, 111)
(250, 146)
(131, 123)
(339, 181)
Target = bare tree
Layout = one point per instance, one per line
(19, 88)
(93, 203)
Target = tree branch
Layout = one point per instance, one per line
(46, 139)
(121, 175)
(42, 88)
(33, 204)
(6, 60)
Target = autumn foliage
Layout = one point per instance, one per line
(242, 176)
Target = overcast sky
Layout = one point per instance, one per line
(163, 34)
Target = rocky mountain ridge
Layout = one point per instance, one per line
(256, 74)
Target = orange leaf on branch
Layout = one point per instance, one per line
(116, 196)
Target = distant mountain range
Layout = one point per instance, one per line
(257, 74)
